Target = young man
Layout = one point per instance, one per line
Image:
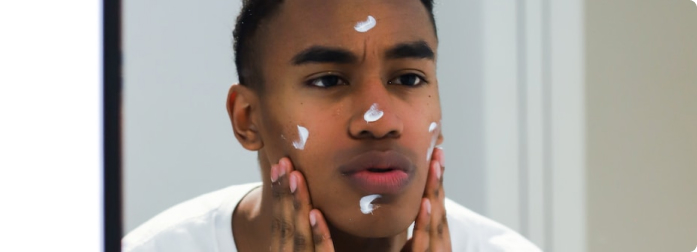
(340, 100)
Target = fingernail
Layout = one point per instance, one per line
(281, 172)
(282, 169)
(313, 220)
(274, 173)
(293, 183)
(437, 167)
(442, 157)
(428, 206)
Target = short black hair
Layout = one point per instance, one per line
(252, 14)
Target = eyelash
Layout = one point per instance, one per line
(341, 81)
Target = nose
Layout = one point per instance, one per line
(374, 116)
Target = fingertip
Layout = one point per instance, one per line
(274, 173)
(281, 169)
(293, 182)
(437, 169)
(427, 205)
(440, 156)
(313, 219)
(285, 163)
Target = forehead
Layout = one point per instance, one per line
(299, 24)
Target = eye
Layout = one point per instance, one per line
(408, 80)
(327, 81)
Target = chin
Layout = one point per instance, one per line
(385, 221)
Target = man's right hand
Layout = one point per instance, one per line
(295, 226)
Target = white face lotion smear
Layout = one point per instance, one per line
(366, 203)
(303, 133)
(373, 114)
(434, 137)
(432, 127)
(366, 25)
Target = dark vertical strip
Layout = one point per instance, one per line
(111, 73)
(547, 124)
(523, 190)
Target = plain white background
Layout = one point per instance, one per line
(50, 126)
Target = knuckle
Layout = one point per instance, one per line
(440, 229)
(299, 205)
(299, 243)
(296, 204)
(319, 238)
(279, 192)
(282, 227)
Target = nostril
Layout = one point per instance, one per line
(365, 134)
(393, 134)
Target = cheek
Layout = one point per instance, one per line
(421, 135)
(310, 146)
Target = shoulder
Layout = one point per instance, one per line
(189, 225)
(470, 231)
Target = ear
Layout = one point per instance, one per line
(241, 103)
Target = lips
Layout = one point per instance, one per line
(377, 172)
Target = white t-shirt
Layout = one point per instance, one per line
(205, 224)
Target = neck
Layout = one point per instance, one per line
(252, 225)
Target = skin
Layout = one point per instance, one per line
(266, 121)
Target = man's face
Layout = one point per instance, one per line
(366, 97)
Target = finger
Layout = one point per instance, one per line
(441, 232)
(434, 193)
(433, 182)
(439, 156)
(422, 229)
(282, 224)
(302, 206)
(320, 232)
(446, 234)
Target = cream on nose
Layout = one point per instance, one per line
(373, 114)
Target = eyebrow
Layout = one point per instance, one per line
(321, 54)
(418, 50)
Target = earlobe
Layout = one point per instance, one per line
(241, 102)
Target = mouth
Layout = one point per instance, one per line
(378, 172)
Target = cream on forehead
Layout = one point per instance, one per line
(303, 133)
(364, 26)
(365, 203)
(373, 114)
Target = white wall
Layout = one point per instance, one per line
(533, 117)
(178, 142)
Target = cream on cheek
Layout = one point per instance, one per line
(434, 137)
(303, 134)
